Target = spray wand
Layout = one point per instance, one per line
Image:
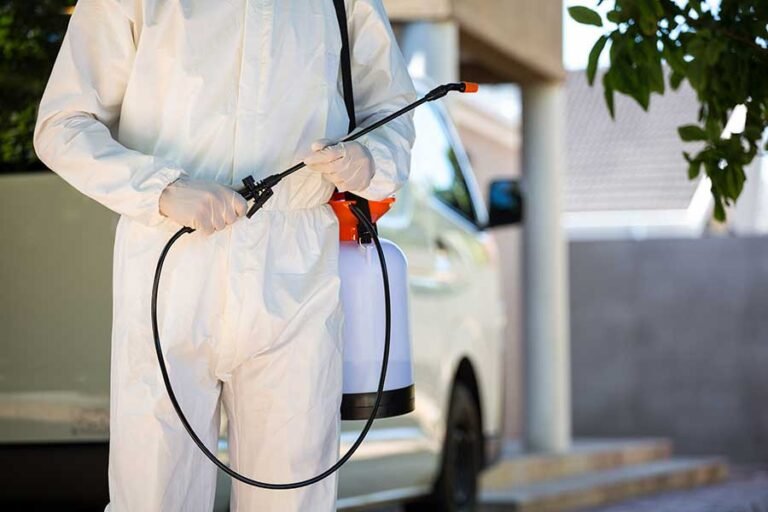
(261, 191)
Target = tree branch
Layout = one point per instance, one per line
(762, 52)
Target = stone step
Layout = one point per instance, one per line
(586, 455)
(603, 487)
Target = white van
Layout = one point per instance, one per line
(54, 359)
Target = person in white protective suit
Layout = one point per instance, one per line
(157, 109)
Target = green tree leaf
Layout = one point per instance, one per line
(719, 212)
(694, 169)
(594, 58)
(609, 95)
(675, 79)
(616, 17)
(692, 132)
(585, 16)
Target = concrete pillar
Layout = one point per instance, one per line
(431, 49)
(547, 351)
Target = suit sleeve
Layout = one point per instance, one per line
(80, 110)
(381, 86)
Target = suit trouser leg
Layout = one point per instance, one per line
(153, 464)
(284, 422)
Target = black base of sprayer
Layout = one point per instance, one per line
(395, 402)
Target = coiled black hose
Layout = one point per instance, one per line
(379, 392)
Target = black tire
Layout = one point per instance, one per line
(456, 488)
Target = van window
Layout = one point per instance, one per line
(434, 164)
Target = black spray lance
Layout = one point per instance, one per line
(261, 191)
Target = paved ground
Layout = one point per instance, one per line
(747, 491)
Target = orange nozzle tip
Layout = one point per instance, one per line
(470, 87)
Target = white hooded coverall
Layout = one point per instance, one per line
(144, 91)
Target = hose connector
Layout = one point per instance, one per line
(260, 192)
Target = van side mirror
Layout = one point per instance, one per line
(505, 203)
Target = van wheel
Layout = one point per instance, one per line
(456, 487)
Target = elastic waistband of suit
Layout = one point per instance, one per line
(271, 207)
(302, 191)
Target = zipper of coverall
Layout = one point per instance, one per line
(236, 131)
(228, 351)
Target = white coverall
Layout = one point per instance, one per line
(146, 90)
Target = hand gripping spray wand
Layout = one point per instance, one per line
(260, 192)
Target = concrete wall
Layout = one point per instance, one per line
(670, 337)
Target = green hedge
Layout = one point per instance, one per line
(30, 35)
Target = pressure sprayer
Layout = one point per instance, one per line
(393, 395)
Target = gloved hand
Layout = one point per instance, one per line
(203, 206)
(348, 165)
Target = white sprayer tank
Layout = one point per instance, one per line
(362, 297)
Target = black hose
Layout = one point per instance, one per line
(379, 392)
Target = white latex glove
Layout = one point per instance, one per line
(201, 205)
(348, 165)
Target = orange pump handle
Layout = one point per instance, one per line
(348, 223)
